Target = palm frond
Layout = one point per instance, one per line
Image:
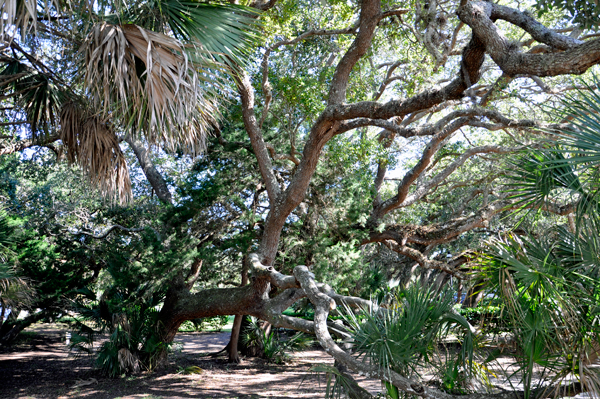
(537, 175)
(17, 15)
(7, 236)
(550, 297)
(226, 31)
(20, 16)
(14, 290)
(148, 78)
(579, 142)
(403, 337)
(91, 143)
(34, 93)
(581, 136)
(41, 104)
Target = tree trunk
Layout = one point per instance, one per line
(154, 177)
(10, 330)
(474, 295)
(232, 347)
(232, 350)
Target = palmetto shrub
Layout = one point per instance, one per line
(272, 346)
(134, 342)
(406, 336)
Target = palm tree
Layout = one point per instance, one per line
(152, 68)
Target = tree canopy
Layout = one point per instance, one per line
(164, 161)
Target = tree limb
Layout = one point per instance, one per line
(576, 57)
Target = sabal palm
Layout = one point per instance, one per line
(149, 67)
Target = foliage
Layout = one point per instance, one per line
(549, 296)
(15, 293)
(144, 68)
(271, 346)
(488, 318)
(134, 342)
(405, 335)
(584, 12)
(548, 284)
(215, 323)
(157, 70)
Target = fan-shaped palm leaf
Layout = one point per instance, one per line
(148, 78)
(14, 290)
(580, 144)
(92, 143)
(538, 175)
(20, 16)
(403, 337)
(549, 298)
(34, 93)
(17, 15)
(226, 31)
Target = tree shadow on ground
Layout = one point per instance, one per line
(40, 367)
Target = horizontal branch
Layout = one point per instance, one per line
(10, 148)
(423, 188)
(108, 231)
(324, 304)
(576, 57)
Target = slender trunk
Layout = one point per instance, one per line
(474, 295)
(154, 177)
(2, 317)
(232, 347)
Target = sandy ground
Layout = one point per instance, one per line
(41, 367)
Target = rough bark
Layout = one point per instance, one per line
(10, 148)
(565, 56)
(320, 134)
(576, 57)
(324, 304)
(11, 329)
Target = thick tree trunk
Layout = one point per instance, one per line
(181, 305)
(11, 329)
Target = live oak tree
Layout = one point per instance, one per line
(388, 106)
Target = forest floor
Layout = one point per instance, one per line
(39, 366)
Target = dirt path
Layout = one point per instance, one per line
(40, 367)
